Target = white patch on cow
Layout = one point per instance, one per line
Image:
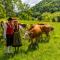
(26, 35)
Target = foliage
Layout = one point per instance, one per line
(2, 11)
(49, 6)
(44, 11)
(8, 7)
(47, 16)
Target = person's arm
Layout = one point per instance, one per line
(20, 27)
(5, 27)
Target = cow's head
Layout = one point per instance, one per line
(26, 35)
(52, 28)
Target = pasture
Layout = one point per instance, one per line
(46, 51)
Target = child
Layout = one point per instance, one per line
(9, 35)
(17, 38)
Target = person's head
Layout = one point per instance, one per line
(2, 23)
(14, 18)
(10, 19)
(15, 23)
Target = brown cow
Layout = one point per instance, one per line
(46, 29)
(35, 31)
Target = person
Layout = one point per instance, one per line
(9, 34)
(1, 29)
(3, 33)
(3, 26)
(17, 38)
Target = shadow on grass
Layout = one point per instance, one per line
(6, 57)
(44, 40)
(35, 46)
(31, 48)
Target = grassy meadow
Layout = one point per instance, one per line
(46, 51)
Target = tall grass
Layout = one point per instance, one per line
(46, 51)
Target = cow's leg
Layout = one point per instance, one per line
(31, 44)
(40, 38)
(37, 41)
(47, 36)
(29, 39)
(17, 49)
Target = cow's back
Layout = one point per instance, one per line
(35, 31)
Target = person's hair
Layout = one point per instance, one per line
(9, 19)
(2, 22)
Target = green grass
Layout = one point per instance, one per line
(46, 51)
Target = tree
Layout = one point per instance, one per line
(8, 6)
(2, 10)
(47, 6)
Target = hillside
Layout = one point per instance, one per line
(47, 6)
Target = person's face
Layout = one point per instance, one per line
(11, 22)
(15, 23)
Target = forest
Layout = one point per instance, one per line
(45, 10)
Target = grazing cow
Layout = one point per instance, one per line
(46, 29)
(36, 31)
